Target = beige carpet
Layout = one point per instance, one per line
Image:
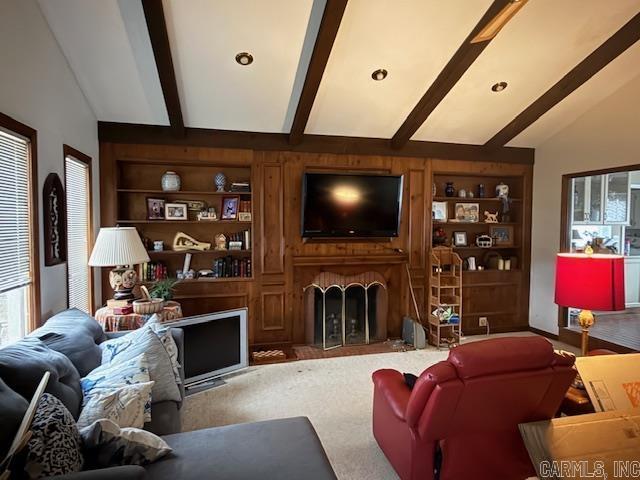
(335, 393)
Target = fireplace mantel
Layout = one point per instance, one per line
(319, 260)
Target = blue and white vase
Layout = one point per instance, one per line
(170, 182)
(220, 180)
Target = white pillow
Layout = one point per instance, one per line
(144, 340)
(106, 445)
(125, 406)
(169, 344)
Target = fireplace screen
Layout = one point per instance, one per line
(346, 310)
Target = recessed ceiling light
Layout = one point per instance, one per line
(379, 74)
(244, 58)
(498, 87)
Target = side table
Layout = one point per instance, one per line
(110, 322)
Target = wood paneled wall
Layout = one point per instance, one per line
(283, 261)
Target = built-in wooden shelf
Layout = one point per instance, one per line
(180, 192)
(183, 222)
(210, 280)
(198, 252)
(472, 199)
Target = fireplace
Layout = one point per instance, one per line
(345, 309)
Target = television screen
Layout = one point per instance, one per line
(339, 205)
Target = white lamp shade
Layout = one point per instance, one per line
(117, 246)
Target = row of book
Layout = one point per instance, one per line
(239, 240)
(229, 267)
(152, 271)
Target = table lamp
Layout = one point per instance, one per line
(119, 247)
(589, 282)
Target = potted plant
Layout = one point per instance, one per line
(164, 288)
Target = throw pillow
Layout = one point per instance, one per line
(144, 340)
(54, 447)
(169, 344)
(110, 376)
(410, 379)
(107, 445)
(125, 405)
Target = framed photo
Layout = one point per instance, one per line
(439, 211)
(230, 206)
(175, 211)
(467, 212)
(244, 216)
(502, 235)
(460, 239)
(155, 208)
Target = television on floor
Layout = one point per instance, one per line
(351, 205)
(214, 344)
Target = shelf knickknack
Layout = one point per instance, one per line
(55, 221)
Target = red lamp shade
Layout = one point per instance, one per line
(590, 282)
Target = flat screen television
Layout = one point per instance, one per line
(351, 205)
(214, 344)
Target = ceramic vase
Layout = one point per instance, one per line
(220, 180)
(449, 191)
(170, 182)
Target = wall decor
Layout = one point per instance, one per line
(175, 211)
(467, 212)
(230, 207)
(183, 242)
(502, 235)
(55, 221)
(460, 239)
(220, 180)
(170, 182)
(439, 210)
(155, 208)
(490, 217)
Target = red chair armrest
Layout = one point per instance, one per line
(390, 383)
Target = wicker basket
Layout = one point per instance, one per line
(147, 305)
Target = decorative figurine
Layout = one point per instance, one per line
(220, 241)
(502, 190)
(220, 180)
(183, 242)
(449, 191)
(462, 193)
(170, 182)
(490, 217)
(158, 246)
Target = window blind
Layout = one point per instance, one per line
(78, 218)
(15, 251)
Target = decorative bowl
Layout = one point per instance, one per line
(148, 307)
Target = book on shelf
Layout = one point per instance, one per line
(244, 238)
(229, 267)
(152, 271)
(241, 187)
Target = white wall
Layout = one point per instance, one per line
(38, 89)
(607, 135)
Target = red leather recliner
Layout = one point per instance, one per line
(462, 415)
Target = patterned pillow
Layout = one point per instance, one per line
(54, 447)
(126, 406)
(169, 344)
(110, 376)
(107, 445)
(144, 340)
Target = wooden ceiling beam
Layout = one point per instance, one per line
(448, 77)
(329, 25)
(157, 27)
(596, 61)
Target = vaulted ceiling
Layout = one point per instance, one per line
(109, 48)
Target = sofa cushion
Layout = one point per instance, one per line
(75, 334)
(14, 406)
(125, 406)
(276, 449)
(23, 363)
(54, 447)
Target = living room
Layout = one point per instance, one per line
(332, 238)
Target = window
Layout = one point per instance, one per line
(77, 169)
(19, 296)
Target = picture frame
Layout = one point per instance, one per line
(439, 211)
(175, 211)
(230, 204)
(502, 235)
(467, 212)
(155, 208)
(460, 239)
(244, 216)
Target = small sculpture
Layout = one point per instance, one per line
(490, 217)
(183, 242)
(462, 193)
(221, 241)
(484, 241)
(502, 190)
(220, 180)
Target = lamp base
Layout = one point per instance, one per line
(124, 294)
(586, 320)
(122, 280)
